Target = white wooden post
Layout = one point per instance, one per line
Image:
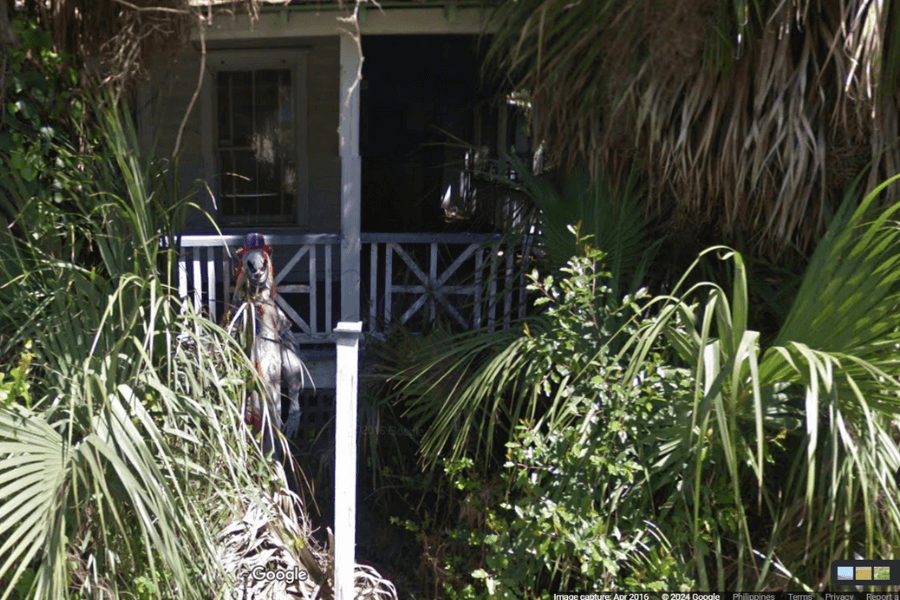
(328, 286)
(349, 328)
(211, 281)
(182, 276)
(198, 282)
(347, 339)
(313, 292)
(350, 179)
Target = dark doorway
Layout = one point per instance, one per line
(418, 99)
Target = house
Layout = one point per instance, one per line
(355, 184)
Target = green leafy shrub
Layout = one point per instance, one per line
(579, 507)
(48, 146)
(43, 112)
(750, 468)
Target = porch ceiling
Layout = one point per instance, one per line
(293, 18)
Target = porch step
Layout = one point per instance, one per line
(322, 365)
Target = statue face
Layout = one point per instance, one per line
(256, 265)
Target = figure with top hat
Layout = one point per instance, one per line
(271, 345)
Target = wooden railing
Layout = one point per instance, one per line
(411, 279)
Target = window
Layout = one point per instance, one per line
(258, 137)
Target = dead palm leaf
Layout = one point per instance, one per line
(746, 118)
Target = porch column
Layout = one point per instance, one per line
(350, 180)
(346, 384)
(348, 330)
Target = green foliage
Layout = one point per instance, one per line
(805, 422)
(607, 213)
(42, 118)
(18, 386)
(463, 382)
(466, 387)
(122, 467)
(666, 441)
(578, 512)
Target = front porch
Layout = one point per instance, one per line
(291, 135)
(292, 139)
(465, 281)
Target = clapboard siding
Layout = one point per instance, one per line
(171, 91)
(324, 157)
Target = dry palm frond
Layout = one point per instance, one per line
(270, 538)
(369, 585)
(270, 553)
(119, 38)
(752, 116)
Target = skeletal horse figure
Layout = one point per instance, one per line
(272, 345)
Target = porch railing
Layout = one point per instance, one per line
(411, 279)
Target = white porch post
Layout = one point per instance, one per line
(346, 383)
(350, 179)
(348, 329)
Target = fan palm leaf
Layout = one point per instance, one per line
(469, 385)
(607, 214)
(124, 464)
(836, 349)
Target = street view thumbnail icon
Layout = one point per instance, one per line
(845, 573)
(863, 573)
(882, 573)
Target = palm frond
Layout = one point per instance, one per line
(747, 117)
(607, 214)
(828, 385)
(140, 439)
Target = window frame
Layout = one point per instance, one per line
(251, 60)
